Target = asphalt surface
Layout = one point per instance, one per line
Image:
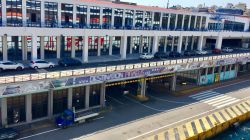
(130, 118)
(101, 64)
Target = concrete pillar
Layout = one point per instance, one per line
(99, 46)
(88, 15)
(246, 27)
(236, 70)
(143, 87)
(186, 43)
(165, 44)
(103, 94)
(74, 14)
(201, 22)
(141, 44)
(87, 89)
(70, 97)
(101, 16)
(5, 48)
(153, 19)
(124, 47)
(4, 116)
(173, 83)
(169, 15)
(59, 14)
(207, 20)
(34, 47)
(50, 103)
(179, 47)
(143, 19)
(155, 45)
(85, 49)
(176, 20)
(58, 47)
(42, 47)
(111, 45)
(134, 18)
(73, 47)
(172, 46)
(218, 42)
(195, 22)
(131, 45)
(28, 106)
(192, 43)
(183, 20)
(113, 18)
(149, 44)
(24, 13)
(42, 14)
(200, 43)
(123, 18)
(161, 15)
(4, 13)
(24, 48)
(189, 22)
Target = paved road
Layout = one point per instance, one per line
(130, 119)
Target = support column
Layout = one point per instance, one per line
(73, 47)
(192, 43)
(5, 48)
(246, 27)
(87, 89)
(179, 47)
(88, 16)
(70, 97)
(85, 49)
(28, 105)
(101, 16)
(111, 45)
(4, 116)
(204, 42)
(123, 18)
(218, 42)
(143, 87)
(134, 18)
(169, 15)
(195, 22)
(58, 47)
(152, 20)
(24, 13)
(201, 22)
(24, 47)
(165, 44)
(189, 22)
(186, 43)
(143, 19)
(74, 14)
(131, 45)
(99, 46)
(172, 47)
(124, 47)
(103, 94)
(34, 47)
(141, 44)
(200, 43)
(155, 45)
(42, 47)
(4, 13)
(50, 103)
(149, 44)
(42, 14)
(59, 14)
(176, 20)
(207, 20)
(173, 84)
(113, 18)
(161, 15)
(183, 20)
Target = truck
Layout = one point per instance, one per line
(69, 118)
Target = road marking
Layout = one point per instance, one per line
(39, 134)
(115, 100)
(157, 98)
(98, 118)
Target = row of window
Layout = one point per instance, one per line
(150, 20)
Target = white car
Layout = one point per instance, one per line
(201, 52)
(9, 65)
(38, 64)
(146, 56)
(227, 50)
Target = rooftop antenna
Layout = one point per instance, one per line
(168, 4)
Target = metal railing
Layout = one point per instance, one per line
(105, 69)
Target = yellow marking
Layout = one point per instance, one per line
(198, 126)
(224, 113)
(190, 129)
(236, 110)
(171, 134)
(246, 106)
(241, 108)
(206, 124)
(219, 117)
(181, 133)
(150, 138)
(231, 113)
(213, 121)
(161, 136)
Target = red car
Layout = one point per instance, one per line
(216, 51)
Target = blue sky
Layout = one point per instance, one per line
(188, 3)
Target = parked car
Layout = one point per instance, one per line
(8, 134)
(9, 65)
(146, 56)
(189, 53)
(161, 55)
(216, 51)
(201, 52)
(38, 64)
(69, 62)
(227, 50)
(174, 54)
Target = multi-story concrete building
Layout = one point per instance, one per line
(93, 29)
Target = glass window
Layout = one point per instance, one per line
(165, 21)
(81, 16)
(179, 21)
(233, 67)
(204, 19)
(51, 14)
(0, 12)
(95, 17)
(1, 48)
(78, 99)
(50, 47)
(67, 15)
(60, 101)
(192, 26)
(118, 18)
(129, 19)
(216, 69)
(39, 105)
(203, 71)
(172, 21)
(198, 22)
(14, 48)
(16, 110)
(116, 45)
(14, 12)
(156, 22)
(93, 45)
(186, 22)
(94, 95)
(33, 13)
(148, 19)
(138, 19)
(106, 18)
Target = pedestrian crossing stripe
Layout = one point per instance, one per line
(191, 129)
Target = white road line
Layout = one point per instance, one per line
(227, 104)
(202, 94)
(217, 99)
(228, 101)
(208, 99)
(157, 98)
(222, 100)
(39, 134)
(98, 118)
(207, 96)
(115, 100)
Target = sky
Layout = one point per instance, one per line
(187, 3)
